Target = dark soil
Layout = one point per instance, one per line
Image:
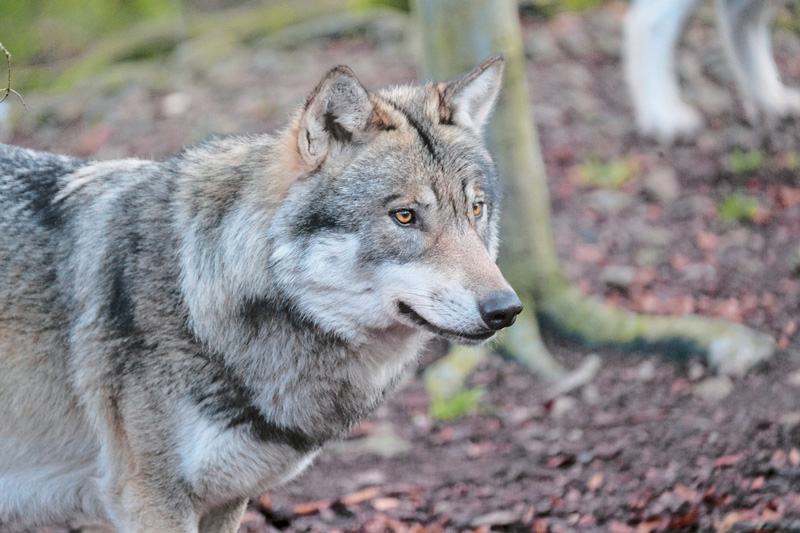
(649, 445)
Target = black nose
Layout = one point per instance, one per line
(500, 309)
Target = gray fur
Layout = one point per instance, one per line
(177, 336)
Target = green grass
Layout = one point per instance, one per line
(41, 30)
(456, 406)
(738, 207)
(551, 8)
(608, 174)
(745, 162)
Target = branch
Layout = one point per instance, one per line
(8, 90)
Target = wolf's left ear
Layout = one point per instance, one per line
(468, 99)
(337, 111)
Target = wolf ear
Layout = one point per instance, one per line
(468, 99)
(338, 110)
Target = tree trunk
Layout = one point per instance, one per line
(455, 36)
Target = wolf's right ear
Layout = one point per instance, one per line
(468, 100)
(337, 111)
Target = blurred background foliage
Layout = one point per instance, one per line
(42, 31)
(56, 42)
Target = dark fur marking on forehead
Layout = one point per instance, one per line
(464, 185)
(414, 123)
(391, 198)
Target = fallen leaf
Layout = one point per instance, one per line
(595, 482)
(540, 526)
(648, 526)
(586, 253)
(778, 458)
(384, 504)
(685, 493)
(653, 213)
(724, 524)
(727, 460)
(788, 196)
(683, 521)
(264, 502)
(360, 496)
(794, 457)
(619, 527)
(679, 262)
(678, 385)
(560, 461)
(481, 449)
(783, 343)
(707, 240)
(757, 483)
(311, 507)
(762, 216)
(252, 519)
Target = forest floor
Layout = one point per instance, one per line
(710, 226)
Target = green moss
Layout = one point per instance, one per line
(551, 8)
(738, 207)
(400, 5)
(609, 174)
(42, 30)
(789, 18)
(745, 162)
(456, 406)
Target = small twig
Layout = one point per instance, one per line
(8, 90)
(583, 375)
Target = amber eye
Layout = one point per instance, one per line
(477, 209)
(404, 216)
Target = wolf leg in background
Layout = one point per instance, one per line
(176, 337)
(652, 30)
(744, 29)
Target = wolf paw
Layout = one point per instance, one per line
(669, 122)
(786, 104)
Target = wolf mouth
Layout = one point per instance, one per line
(415, 317)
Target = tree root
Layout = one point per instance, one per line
(729, 348)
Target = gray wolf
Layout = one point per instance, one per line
(651, 32)
(177, 336)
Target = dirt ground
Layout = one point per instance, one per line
(649, 445)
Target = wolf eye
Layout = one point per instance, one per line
(404, 217)
(477, 209)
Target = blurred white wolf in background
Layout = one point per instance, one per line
(652, 29)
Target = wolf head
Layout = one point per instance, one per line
(391, 217)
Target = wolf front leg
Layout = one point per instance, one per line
(137, 497)
(744, 27)
(651, 32)
(223, 519)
